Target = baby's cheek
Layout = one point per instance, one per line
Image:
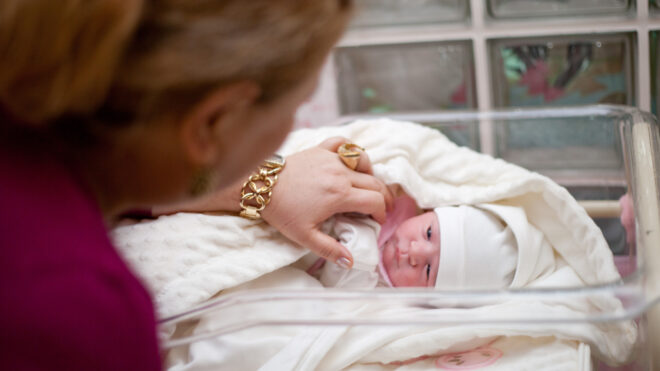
(407, 279)
(388, 261)
(434, 276)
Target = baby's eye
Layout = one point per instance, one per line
(428, 271)
(428, 233)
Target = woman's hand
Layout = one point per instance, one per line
(314, 186)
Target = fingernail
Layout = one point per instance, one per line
(343, 262)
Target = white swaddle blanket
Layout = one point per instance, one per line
(186, 259)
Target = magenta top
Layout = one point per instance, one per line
(67, 299)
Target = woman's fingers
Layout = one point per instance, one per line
(364, 165)
(330, 249)
(368, 182)
(367, 203)
(333, 144)
(362, 178)
(319, 177)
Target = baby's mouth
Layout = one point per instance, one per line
(395, 250)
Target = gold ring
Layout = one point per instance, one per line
(349, 156)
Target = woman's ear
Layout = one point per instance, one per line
(216, 116)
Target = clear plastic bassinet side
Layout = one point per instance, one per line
(597, 152)
(642, 141)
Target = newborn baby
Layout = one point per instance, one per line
(450, 247)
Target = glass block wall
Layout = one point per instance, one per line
(421, 55)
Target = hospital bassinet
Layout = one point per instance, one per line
(598, 153)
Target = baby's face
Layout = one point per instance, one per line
(411, 256)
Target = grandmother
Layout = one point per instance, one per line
(111, 105)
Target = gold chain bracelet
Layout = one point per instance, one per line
(254, 197)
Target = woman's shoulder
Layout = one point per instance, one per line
(66, 294)
(66, 317)
(46, 215)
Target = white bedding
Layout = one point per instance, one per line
(354, 347)
(188, 258)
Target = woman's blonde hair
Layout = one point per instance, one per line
(125, 59)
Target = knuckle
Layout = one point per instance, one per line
(339, 189)
(335, 172)
(325, 252)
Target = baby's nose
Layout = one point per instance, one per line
(413, 252)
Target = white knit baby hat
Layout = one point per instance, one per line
(477, 250)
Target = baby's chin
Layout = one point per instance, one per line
(391, 274)
(402, 282)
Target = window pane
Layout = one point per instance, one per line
(545, 8)
(577, 148)
(405, 77)
(463, 133)
(574, 70)
(396, 12)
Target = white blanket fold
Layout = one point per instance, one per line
(186, 259)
